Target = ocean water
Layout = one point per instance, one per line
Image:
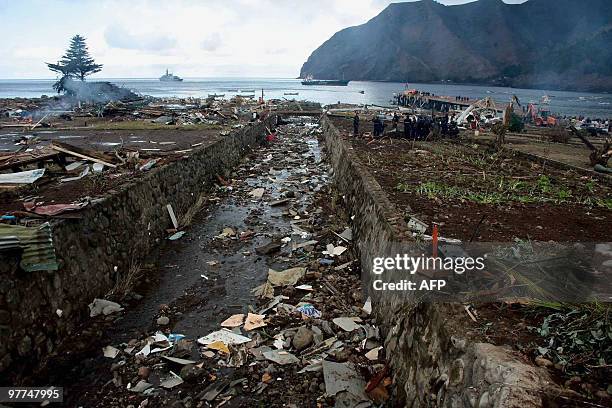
(593, 105)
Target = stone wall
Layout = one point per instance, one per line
(433, 361)
(110, 235)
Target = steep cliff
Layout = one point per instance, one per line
(562, 44)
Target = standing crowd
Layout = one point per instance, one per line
(415, 127)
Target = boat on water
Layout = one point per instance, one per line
(309, 80)
(168, 77)
(291, 93)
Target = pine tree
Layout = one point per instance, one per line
(76, 63)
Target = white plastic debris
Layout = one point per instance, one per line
(347, 323)
(367, 307)
(172, 216)
(226, 233)
(180, 361)
(373, 354)
(176, 235)
(172, 381)
(416, 225)
(110, 352)
(334, 251)
(103, 306)
(84, 173)
(73, 166)
(280, 357)
(257, 193)
(145, 351)
(286, 277)
(226, 336)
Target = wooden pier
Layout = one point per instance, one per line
(423, 100)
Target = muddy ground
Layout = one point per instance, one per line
(476, 194)
(208, 275)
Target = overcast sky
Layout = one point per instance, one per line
(141, 38)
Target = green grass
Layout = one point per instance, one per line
(498, 191)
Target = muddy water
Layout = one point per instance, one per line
(203, 278)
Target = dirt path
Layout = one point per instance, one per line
(209, 274)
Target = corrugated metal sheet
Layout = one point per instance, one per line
(23, 177)
(35, 242)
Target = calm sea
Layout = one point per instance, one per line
(592, 105)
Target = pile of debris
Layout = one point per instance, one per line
(308, 340)
(60, 163)
(42, 158)
(316, 341)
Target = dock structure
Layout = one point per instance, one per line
(425, 100)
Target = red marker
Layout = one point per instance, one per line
(434, 240)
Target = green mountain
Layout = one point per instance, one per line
(555, 44)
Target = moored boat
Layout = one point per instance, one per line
(325, 82)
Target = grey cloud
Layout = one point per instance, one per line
(212, 42)
(116, 36)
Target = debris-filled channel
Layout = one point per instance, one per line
(258, 304)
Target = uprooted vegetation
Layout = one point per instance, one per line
(497, 178)
(500, 190)
(476, 193)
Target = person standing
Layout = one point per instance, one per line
(356, 125)
(375, 122)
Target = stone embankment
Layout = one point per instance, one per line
(95, 251)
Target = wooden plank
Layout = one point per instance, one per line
(82, 153)
(22, 159)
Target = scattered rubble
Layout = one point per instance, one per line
(90, 147)
(306, 336)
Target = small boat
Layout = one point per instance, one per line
(216, 95)
(291, 93)
(361, 92)
(168, 77)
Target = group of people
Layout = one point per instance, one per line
(462, 99)
(415, 127)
